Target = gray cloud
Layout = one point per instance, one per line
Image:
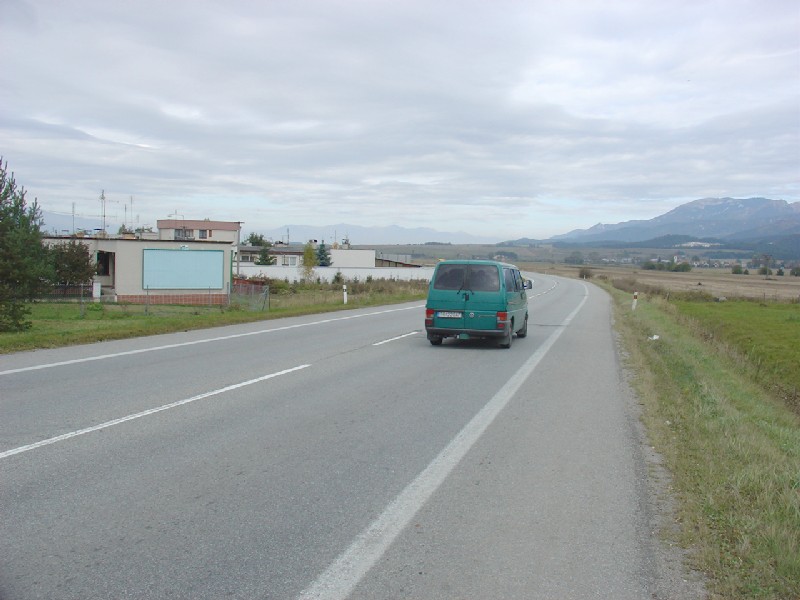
(503, 118)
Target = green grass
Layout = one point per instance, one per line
(63, 324)
(730, 443)
(765, 336)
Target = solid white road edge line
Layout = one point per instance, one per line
(144, 413)
(203, 341)
(339, 580)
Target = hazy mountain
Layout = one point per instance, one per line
(55, 223)
(723, 218)
(358, 235)
(59, 224)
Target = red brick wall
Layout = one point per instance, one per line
(189, 299)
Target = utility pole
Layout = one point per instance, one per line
(103, 204)
(238, 241)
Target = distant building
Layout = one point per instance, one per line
(199, 231)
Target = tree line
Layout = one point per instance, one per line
(29, 268)
(319, 257)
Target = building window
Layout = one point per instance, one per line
(203, 233)
(184, 234)
(104, 263)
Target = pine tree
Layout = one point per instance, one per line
(264, 257)
(73, 263)
(24, 266)
(323, 256)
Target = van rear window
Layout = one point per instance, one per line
(477, 278)
(450, 277)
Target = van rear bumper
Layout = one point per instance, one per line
(453, 332)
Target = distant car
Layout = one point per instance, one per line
(470, 299)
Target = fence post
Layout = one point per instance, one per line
(265, 301)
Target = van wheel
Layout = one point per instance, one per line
(524, 331)
(435, 341)
(505, 342)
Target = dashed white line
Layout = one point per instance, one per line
(399, 337)
(144, 413)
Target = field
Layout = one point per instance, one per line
(716, 283)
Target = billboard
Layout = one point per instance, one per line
(183, 269)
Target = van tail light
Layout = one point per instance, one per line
(502, 319)
(429, 317)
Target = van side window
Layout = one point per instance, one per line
(518, 280)
(509, 276)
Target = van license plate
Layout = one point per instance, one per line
(444, 314)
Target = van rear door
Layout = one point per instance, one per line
(448, 299)
(483, 298)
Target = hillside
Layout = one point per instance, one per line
(751, 219)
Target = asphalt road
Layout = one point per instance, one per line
(330, 456)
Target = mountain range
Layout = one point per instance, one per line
(727, 219)
(730, 220)
(392, 234)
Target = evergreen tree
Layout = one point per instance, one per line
(24, 267)
(323, 256)
(264, 257)
(73, 264)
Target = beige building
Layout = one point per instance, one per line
(182, 266)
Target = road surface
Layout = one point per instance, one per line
(330, 456)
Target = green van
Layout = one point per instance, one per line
(476, 299)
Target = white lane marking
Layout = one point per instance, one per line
(399, 337)
(547, 291)
(203, 341)
(339, 580)
(144, 413)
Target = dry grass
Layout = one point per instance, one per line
(731, 445)
(714, 282)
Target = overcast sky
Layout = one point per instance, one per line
(500, 118)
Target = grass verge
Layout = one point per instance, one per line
(65, 324)
(732, 446)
